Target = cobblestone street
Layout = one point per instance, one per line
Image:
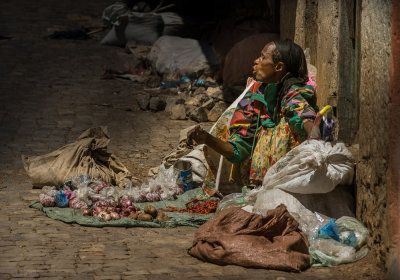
(51, 91)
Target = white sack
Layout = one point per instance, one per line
(185, 56)
(144, 28)
(312, 167)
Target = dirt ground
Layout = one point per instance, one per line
(51, 91)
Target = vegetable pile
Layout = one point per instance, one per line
(126, 210)
(200, 208)
(81, 192)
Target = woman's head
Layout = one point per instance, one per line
(277, 59)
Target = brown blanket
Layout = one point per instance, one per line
(237, 237)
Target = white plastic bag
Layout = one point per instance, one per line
(309, 221)
(312, 167)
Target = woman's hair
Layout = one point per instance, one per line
(292, 55)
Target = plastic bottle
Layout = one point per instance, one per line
(315, 133)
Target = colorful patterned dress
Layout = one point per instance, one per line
(250, 125)
(257, 141)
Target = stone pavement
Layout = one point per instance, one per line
(51, 91)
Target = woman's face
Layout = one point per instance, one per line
(264, 68)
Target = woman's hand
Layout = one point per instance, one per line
(197, 136)
(249, 80)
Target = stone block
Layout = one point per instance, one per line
(216, 111)
(208, 104)
(157, 103)
(178, 112)
(198, 114)
(143, 99)
(171, 102)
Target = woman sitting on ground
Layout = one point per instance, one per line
(276, 114)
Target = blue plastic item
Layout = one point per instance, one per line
(169, 84)
(185, 80)
(61, 200)
(330, 230)
(350, 240)
(204, 83)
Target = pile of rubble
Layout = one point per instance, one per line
(182, 97)
(178, 73)
(185, 102)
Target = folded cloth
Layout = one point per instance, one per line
(238, 237)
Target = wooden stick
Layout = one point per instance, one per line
(218, 179)
(163, 8)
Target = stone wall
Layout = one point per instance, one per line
(327, 52)
(327, 28)
(375, 42)
(287, 18)
(394, 163)
(352, 51)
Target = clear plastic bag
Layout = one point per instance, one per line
(163, 187)
(351, 235)
(233, 200)
(49, 190)
(328, 252)
(346, 224)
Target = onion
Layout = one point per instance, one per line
(97, 210)
(132, 208)
(115, 216)
(87, 212)
(118, 209)
(102, 215)
(107, 217)
(128, 203)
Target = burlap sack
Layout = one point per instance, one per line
(87, 155)
(237, 237)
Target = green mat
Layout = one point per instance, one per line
(70, 215)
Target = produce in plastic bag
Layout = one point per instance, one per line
(163, 187)
(46, 200)
(77, 204)
(49, 190)
(328, 252)
(61, 200)
(233, 200)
